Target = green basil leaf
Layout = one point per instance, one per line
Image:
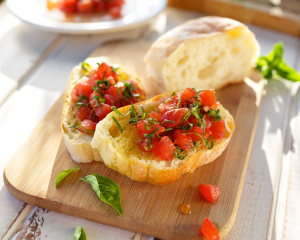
(285, 71)
(86, 67)
(118, 124)
(117, 111)
(79, 234)
(65, 173)
(107, 190)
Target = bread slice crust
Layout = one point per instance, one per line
(208, 52)
(79, 144)
(118, 152)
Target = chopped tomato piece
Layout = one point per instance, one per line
(163, 108)
(165, 149)
(184, 141)
(93, 78)
(101, 113)
(218, 129)
(208, 122)
(215, 106)
(209, 231)
(146, 127)
(92, 101)
(187, 94)
(115, 3)
(198, 130)
(115, 12)
(85, 6)
(67, 6)
(116, 92)
(104, 71)
(99, 5)
(74, 94)
(191, 119)
(83, 112)
(209, 192)
(174, 101)
(208, 97)
(84, 88)
(143, 143)
(155, 115)
(109, 100)
(87, 125)
(174, 115)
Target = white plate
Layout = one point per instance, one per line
(134, 13)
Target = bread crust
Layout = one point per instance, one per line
(170, 43)
(79, 144)
(140, 166)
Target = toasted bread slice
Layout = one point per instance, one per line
(118, 151)
(77, 143)
(204, 53)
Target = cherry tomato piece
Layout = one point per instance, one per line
(218, 129)
(87, 125)
(109, 100)
(67, 6)
(165, 149)
(209, 231)
(101, 113)
(93, 78)
(85, 6)
(99, 5)
(115, 12)
(92, 102)
(146, 127)
(115, 3)
(184, 141)
(84, 88)
(187, 94)
(143, 144)
(208, 97)
(175, 115)
(198, 130)
(209, 192)
(155, 115)
(83, 112)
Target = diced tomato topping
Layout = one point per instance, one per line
(208, 97)
(209, 192)
(85, 6)
(198, 130)
(143, 143)
(163, 108)
(101, 113)
(155, 115)
(83, 112)
(184, 141)
(116, 92)
(92, 101)
(146, 127)
(104, 71)
(84, 88)
(209, 231)
(191, 119)
(109, 100)
(115, 3)
(215, 106)
(165, 149)
(175, 115)
(218, 129)
(115, 12)
(187, 94)
(93, 78)
(74, 94)
(99, 5)
(67, 6)
(87, 125)
(208, 121)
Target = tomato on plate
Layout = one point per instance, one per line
(143, 143)
(67, 6)
(218, 129)
(208, 230)
(115, 12)
(209, 192)
(85, 6)
(208, 97)
(165, 149)
(83, 113)
(103, 111)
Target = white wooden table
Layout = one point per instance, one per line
(34, 69)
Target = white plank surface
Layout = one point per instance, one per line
(259, 216)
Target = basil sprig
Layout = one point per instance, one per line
(86, 67)
(79, 234)
(107, 190)
(178, 153)
(273, 65)
(65, 173)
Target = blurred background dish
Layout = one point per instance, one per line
(134, 13)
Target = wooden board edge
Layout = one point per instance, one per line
(241, 12)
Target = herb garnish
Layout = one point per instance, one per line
(86, 67)
(118, 124)
(205, 141)
(273, 65)
(65, 173)
(107, 190)
(178, 153)
(79, 234)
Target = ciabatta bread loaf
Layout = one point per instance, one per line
(204, 53)
(77, 143)
(118, 151)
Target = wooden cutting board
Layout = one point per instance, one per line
(148, 209)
